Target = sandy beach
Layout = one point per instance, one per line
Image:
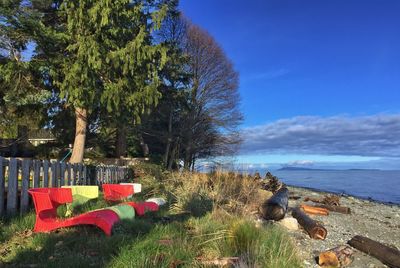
(377, 221)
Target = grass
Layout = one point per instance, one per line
(207, 219)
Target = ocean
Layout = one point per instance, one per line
(378, 185)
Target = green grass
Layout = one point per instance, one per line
(192, 228)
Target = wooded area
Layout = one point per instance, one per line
(119, 78)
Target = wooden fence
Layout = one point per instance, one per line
(17, 176)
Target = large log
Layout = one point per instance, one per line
(340, 256)
(344, 210)
(331, 200)
(314, 210)
(276, 207)
(387, 255)
(313, 228)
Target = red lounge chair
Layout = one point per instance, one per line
(47, 200)
(117, 192)
(142, 207)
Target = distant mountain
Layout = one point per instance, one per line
(297, 168)
(364, 169)
(319, 169)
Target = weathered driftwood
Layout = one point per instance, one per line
(272, 183)
(344, 210)
(313, 228)
(314, 210)
(387, 255)
(275, 208)
(331, 200)
(340, 256)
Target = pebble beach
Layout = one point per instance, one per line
(377, 221)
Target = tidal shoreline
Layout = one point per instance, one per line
(344, 195)
(378, 221)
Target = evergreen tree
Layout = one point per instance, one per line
(100, 53)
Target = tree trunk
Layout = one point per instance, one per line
(313, 228)
(121, 144)
(173, 156)
(169, 140)
(387, 255)
(193, 163)
(80, 135)
(188, 156)
(275, 208)
(145, 147)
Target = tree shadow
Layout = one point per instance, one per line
(80, 246)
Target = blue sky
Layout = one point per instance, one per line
(324, 71)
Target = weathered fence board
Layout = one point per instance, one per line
(36, 173)
(12, 193)
(2, 185)
(53, 174)
(24, 205)
(69, 174)
(75, 176)
(80, 170)
(14, 196)
(46, 173)
(62, 174)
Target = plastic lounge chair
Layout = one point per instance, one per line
(158, 200)
(142, 207)
(124, 211)
(117, 192)
(80, 195)
(137, 187)
(47, 200)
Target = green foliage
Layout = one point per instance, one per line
(113, 59)
(22, 95)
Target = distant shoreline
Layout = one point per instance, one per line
(322, 169)
(345, 195)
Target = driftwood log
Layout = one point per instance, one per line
(344, 210)
(276, 207)
(387, 255)
(340, 256)
(331, 200)
(313, 228)
(314, 210)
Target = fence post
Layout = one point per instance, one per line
(80, 171)
(36, 173)
(12, 194)
(46, 173)
(75, 176)
(85, 177)
(101, 175)
(24, 202)
(54, 174)
(62, 174)
(2, 184)
(69, 174)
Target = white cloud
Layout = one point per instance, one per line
(377, 135)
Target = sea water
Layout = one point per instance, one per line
(379, 185)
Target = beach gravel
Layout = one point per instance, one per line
(377, 221)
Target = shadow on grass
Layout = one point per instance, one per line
(80, 246)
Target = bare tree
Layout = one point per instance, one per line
(198, 114)
(213, 99)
